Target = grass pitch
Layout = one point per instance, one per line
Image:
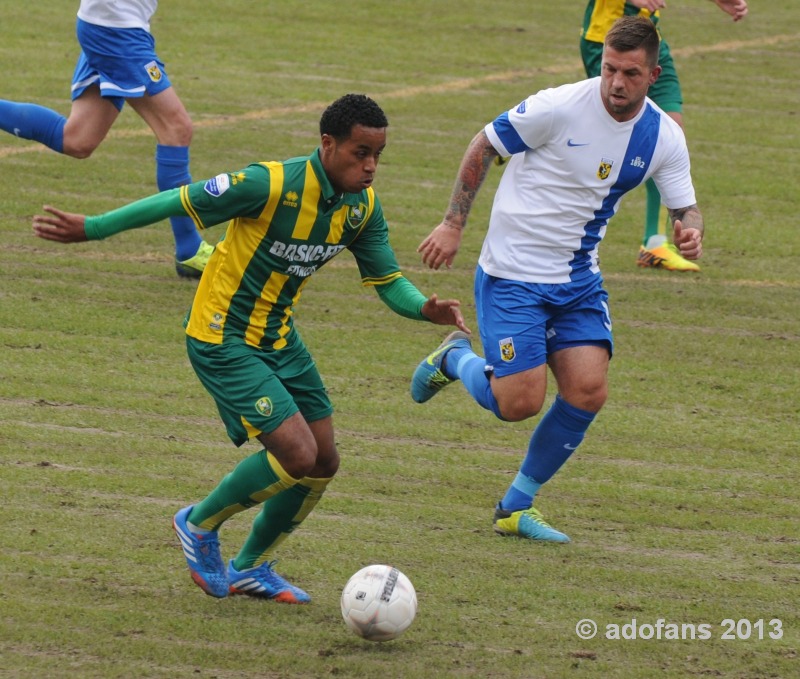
(682, 503)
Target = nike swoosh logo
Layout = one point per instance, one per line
(569, 447)
(575, 143)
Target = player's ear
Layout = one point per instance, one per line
(654, 74)
(327, 142)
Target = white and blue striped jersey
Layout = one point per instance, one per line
(571, 163)
(118, 13)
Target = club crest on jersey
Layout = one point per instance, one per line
(355, 215)
(153, 71)
(264, 406)
(521, 108)
(507, 352)
(216, 322)
(605, 168)
(218, 185)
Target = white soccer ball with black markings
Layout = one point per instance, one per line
(379, 603)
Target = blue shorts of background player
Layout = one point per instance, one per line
(115, 65)
(121, 61)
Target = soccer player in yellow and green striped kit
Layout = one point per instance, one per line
(655, 250)
(285, 220)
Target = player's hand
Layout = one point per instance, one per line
(441, 246)
(444, 312)
(63, 227)
(736, 8)
(650, 5)
(688, 241)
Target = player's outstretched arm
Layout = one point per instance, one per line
(66, 227)
(441, 246)
(63, 227)
(444, 312)
(736, 8)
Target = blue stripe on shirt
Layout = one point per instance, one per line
(508, 135)
(638, 156)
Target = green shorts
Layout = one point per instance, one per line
(257, 390)
(666, 91)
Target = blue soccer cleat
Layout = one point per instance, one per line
(526, 523)
(264, 583)
(428, 378)
(202, 556)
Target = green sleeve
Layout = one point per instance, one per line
(402, 297)
(140, 213)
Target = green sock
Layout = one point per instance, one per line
(254, 480)
(279, 516)
(652, 212)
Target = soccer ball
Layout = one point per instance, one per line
(379, 603)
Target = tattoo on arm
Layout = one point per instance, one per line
(471, 175)
(690, 217)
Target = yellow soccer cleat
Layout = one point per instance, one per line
(665, 256)
(194, 266)
(526, 523)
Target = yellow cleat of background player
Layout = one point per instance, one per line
(665, 256)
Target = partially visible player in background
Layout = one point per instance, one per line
(118, 63)
(655, 250)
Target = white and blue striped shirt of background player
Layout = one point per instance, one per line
(571, 163)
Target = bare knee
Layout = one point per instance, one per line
(517, 407)
(326, 465)
(309, 460)
(590, 397)
(520, 396)
(300, 460)
(178, 132)
(79, 150)
(294, 448)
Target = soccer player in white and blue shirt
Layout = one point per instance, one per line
(540, 301)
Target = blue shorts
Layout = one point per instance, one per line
(121, 61)
(521, 324)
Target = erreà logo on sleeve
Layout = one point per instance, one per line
(218, 185)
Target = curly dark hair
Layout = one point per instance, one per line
(348, 111)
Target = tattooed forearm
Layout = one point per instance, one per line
(690, 217)
(471, 175)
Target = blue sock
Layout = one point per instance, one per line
(520, 493)
(556, 437)
(172, 171)
(469, 367)
(34, 122)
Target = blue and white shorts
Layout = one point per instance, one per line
(121, 61)
(521, 324)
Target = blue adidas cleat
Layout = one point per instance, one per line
(264, 583)
(526, 523)
(202, 556)
(428, 378)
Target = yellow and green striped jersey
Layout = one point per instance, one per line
(286, 221)
(601, 14)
